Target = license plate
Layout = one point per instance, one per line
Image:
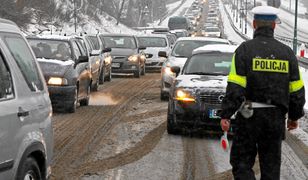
(115, 65)
(213, 114)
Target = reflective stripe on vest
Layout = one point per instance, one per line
(296, 85)
(234, 78)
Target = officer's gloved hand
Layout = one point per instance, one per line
(225, 124)
(292, 124)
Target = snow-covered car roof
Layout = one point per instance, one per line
(118, 35)
(152, 35)
(224, 48)
(178, 30)
(8, 26)
(203, 39)
(53, 37)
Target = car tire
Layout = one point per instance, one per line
(94, 87)
(29, 169)
(137, 73)
(85, 102)
(109, 77)
(72, 107)
(102, 77)
(171, 127)
(143, 70)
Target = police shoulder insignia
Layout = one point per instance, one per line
(270, 65)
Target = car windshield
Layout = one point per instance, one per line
(184, 48)
(126, 42)
(152, 42)
(51, 49)
(215, 63)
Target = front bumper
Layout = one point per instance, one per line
(154, 63)
(198, 115)
(125, 67)
(61, 96)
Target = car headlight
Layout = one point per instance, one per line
(167, 70)
(185, 96)
(143, 57)
(133, 58)
(107, 60)
(57, 81)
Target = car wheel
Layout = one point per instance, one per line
(143, 70)
(102, 77)
(72, 108)
(137, 73)
(85, 102)
(94, 87)
(29, 170)
(171, 126)
(109, 77)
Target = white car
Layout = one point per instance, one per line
(154, 43)
(213, 31)
(180, 52)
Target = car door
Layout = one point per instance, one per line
(27, 106)
(82, 70)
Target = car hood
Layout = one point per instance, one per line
(123, 52)
(176, 61)
(53, 67)
(202, 81)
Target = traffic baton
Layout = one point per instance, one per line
(224, 143)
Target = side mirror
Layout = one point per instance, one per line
(83, 59)
(176, 70)
(162, 54)
(106, 50)
(95, 53)
(142, 48)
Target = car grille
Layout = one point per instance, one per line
(211, 97)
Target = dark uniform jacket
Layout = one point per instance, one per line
(266, 71)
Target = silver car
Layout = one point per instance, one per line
(180, 52)
(26, 137)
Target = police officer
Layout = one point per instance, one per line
(264, 85)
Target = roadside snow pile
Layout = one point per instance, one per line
(107, 25)
(301, 135)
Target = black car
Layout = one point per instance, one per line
(65, 68)
(196, 95)
(128, 57)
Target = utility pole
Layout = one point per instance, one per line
(246, 18)
(254, 3)
(236, 10)
(75, 19)
(295, 28)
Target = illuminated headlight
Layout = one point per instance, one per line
(143, 57)
(57, 81)
(133, 58)
(108, 60)
(168, 71)
(182, 95)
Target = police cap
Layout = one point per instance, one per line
(267, 13)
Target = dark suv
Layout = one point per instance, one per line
(65, 66)
(128, 57)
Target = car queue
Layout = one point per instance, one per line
(45, 73)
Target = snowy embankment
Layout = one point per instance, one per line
(301, 134)
(107, 25)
